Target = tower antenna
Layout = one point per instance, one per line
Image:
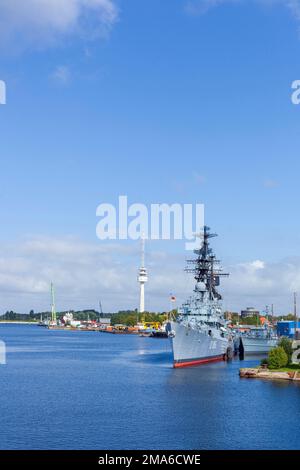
(143, 275)
(100, 310)
(205, 266)
(53, 310)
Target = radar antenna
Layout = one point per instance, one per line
(206, 268)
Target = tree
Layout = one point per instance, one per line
(286, 344)
(289, 317)
(277, 358)
(131, 317)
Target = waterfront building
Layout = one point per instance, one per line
(287, 328)
(250, 312)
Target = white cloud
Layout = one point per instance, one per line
(198, 178)
(258, 264)
(85, 272)
(294, 6)
(198, 7)
(43, 22)
(270, 183)
(61, 74)
(259, 283)
(82, 273)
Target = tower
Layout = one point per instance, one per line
(53, 311)
(142, 277)
(100, 310)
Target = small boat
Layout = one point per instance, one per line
(159, 334)
(43, 323)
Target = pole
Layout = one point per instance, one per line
(272, 313)
(53, 311)
(142, 297)
(143, 251)
(142, 285)
(295, 313)
(172, 305)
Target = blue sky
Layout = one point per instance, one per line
(169, 101)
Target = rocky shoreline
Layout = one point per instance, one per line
(261, 373)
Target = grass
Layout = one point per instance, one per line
(290, 368)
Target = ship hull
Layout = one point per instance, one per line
(258, 345)
(192, 347)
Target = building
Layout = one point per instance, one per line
(287, 328)
(250, 312)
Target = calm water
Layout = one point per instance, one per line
(77, 390)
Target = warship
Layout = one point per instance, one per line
(199, 333)
(259, 340)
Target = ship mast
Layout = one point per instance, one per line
(206, 268)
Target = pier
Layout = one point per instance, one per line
(261, 373)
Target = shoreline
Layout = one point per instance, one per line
(17, 322)
(257, 373)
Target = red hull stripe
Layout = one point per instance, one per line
(196, 362)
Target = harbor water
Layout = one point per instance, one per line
(89, 390)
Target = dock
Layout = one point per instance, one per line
(67, 328)
(261, 373)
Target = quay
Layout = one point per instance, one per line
(16, 322)
(70, 328)
(262, 373)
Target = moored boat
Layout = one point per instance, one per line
(258, 340)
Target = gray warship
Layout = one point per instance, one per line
(199, 333)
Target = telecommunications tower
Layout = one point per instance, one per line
(53, 309)
(142, 277)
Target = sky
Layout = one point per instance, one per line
(185, 101)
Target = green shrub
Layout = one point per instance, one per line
(286, 344)
(277, 358)
(264, 362)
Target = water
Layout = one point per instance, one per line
(89, 390)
